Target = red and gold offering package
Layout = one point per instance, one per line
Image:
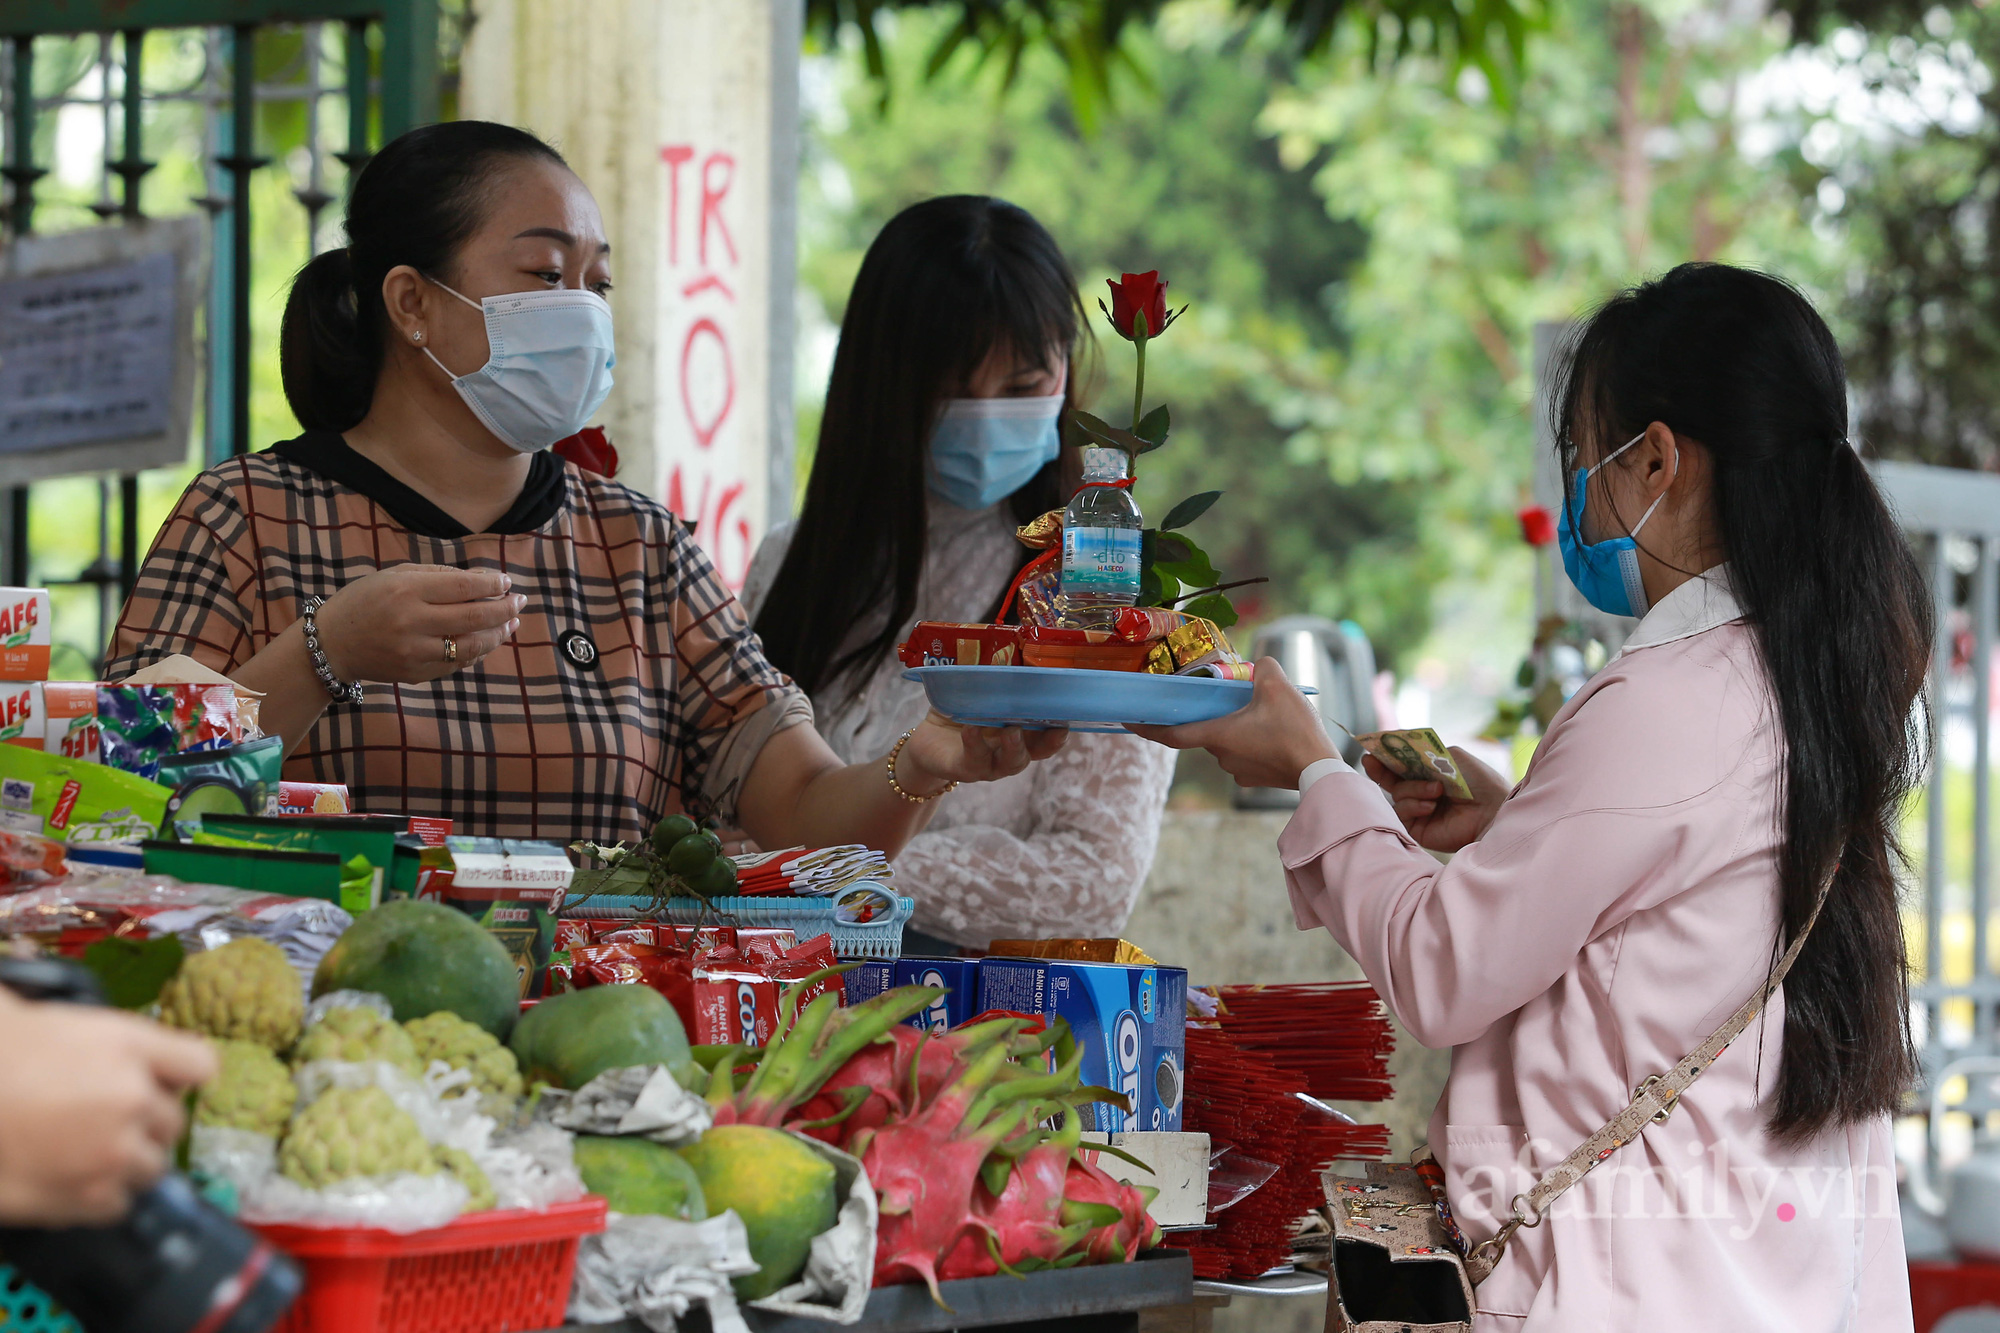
(1091, 649)
(1195, 644)
(937, 643)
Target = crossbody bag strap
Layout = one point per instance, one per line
(1652, 1102)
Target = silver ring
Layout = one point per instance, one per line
(450, 649)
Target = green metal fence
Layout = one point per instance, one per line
(238, 66)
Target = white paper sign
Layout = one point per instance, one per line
(97, 347)
(86, 356)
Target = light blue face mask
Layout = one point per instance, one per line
(1606, 572)
(985, 449)
(548, 365)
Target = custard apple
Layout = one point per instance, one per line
(462, 1045)
(358, 1033)
(459, 1162)
(254, 1091)
(352, 1132)
(244, 991)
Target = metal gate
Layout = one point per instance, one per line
(1953, 517)
(374, 62)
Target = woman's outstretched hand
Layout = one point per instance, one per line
(1432, 821)
(1266, 744)
(940, 752)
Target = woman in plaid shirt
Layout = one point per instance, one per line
(505, 641)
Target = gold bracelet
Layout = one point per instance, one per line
(896, 786)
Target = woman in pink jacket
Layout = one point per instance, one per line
(1598, 921)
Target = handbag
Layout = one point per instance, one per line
(1400, 1263)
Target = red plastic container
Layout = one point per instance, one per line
(489, 1272)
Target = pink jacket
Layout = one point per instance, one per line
(1623, 903)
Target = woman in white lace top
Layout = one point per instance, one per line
(939, 437)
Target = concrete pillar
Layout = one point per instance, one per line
(682, 117)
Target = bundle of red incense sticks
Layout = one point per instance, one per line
(810, 871)
(1262, 1124)
(1335, 1035)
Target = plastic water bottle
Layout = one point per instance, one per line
(1100, 565)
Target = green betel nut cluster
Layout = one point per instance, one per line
(253, 1091)
(462, 1045)
(244, 991)
(357, 1034)
(353, 1132)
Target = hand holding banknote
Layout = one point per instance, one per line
(1436, 819)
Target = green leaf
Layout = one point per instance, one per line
(631, 877)
(1214, 606)
(1194, 569)
(1152, 589)
(1172, 549)
(1188, 510)
(132, 972)
(1154, 425)
(1109, 435)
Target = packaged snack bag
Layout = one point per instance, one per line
(938, 643)
(314, 798)
(24, 633)
(235, 780)
(733, 1002)
(802, 961)
(765, 944)
(78, 803)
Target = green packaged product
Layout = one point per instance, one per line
(235, 780)
(90, 807)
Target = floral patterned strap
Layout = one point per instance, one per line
(1652, 1102)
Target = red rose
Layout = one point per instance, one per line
(1139, 293)
(590, 450)
(1538, 527)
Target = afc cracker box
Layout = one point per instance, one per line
(1130, 1023)
(55, 717)
(24, 633)
(960, 979)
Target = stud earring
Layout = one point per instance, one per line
(417, 337)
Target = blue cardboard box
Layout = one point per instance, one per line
(868, 980)
(959, 977)
(1129, 1022)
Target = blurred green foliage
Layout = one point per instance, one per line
(1365, 256)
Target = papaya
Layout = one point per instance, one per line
(568, 1040)
(423, 957)
(783, 1191)
(640, 1176)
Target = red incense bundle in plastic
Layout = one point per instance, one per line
(1267, 1138)
(1335, 1035)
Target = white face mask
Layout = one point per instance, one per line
(548, 365)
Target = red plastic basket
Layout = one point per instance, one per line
(486, 1272)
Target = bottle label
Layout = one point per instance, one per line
(1101, 561)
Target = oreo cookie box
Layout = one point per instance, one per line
(1130, 1022)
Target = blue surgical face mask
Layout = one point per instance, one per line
(985, 449)
(548, 365)
(1606, 572)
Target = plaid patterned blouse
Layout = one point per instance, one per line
(528, 742)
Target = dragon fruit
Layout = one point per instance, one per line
(954, 1131)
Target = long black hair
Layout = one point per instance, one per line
(1741, 362)
(945, 282)
(414, 203)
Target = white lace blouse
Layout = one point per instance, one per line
(1059, 850)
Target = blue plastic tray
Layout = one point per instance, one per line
(879, 937)
(1036, 697)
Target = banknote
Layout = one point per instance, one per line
(1417, 755)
